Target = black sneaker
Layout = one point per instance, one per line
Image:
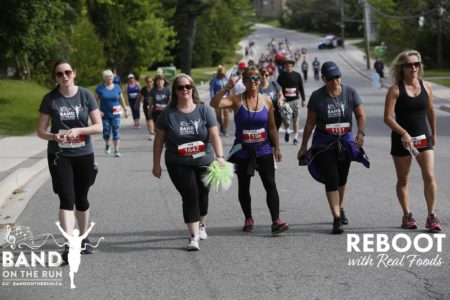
(278, 226)
(65, 255)
(343, 217)
(286, 136)
(86, 247)
(337, 226)
(295, 142)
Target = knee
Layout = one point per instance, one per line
(402, 181)
(429, 178)
(82, 204)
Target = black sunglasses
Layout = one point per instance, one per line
(68, 73)
(186, 86)
(250, 79)
(410, 65)
(333, 78)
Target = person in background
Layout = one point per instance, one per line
(292, 84)
(410, 100)
(69, 152)
(256, 145)
(145, 99)
(217, 83)
(316, 68)
(379, 68)
(305, 67)
(273, 90)
(189, 130)
(160, 96)
(112, 104)
(132, 89)
(116, 78)
(330, 112)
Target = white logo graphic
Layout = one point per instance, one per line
(77, 110)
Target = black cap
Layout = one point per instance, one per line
(330, 70)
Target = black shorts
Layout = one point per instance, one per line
(397, 148)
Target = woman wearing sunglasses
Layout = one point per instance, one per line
(190, 132)
(70, 154)
(255, 138)
(330, 112)
(411, 101)
(273, 90)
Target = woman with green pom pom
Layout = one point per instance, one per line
(190, 132)
(256, 145)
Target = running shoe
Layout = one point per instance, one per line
(65, 256)
(278, 226)
(433, 223)
(150, 137)
(408, 222)
(193, 244)
(248, 225)
(86, 247)
(337, 226)
(107, 149)
(117, 154)
(295, 142)
(286, 136)
(202, 232)
(343, 217)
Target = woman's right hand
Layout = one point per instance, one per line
(406, 140)
(230, 83)
(157, 170)
(301, 152)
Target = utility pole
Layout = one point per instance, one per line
(367, 32)
(341, 3)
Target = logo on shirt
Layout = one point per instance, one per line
(190, 127)
(68, 113)
(336, 110)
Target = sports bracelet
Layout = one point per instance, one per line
(219, 156)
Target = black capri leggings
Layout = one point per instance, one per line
(266, 170)
(195, 196)
(72, 178)
(334, 171)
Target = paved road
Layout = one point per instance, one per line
(143, 255)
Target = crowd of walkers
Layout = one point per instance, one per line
(190, 132)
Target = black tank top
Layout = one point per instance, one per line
(411, 112)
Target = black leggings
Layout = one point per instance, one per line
(266, 170)
(195, 196)
(334, 171)
(72, 178)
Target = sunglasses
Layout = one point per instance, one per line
(265, 74)
(149, 81)
(251, 79)
(410, 65)
(68, 73)
(334, 78)
(186, 86)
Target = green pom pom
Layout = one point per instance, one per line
(218, 178)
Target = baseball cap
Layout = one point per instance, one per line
(130, 76)
(242, 65)
(330, 69)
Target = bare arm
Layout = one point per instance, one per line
(42, 128)
(431, 115)
(309, 126)
(217, 144)
(218, 101)
(361, 122)
(124, 105)
(273, 132)
(158, 144)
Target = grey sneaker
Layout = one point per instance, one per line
(193, 244)
(107, 149)
(202, 232)
(117, 154)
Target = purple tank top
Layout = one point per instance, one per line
(252, 131)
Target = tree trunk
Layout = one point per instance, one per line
(187, 44)
(439, 58)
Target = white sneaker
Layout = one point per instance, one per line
(151, 137)
(193, 244)
(202, 232)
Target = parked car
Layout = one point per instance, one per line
(330, 41)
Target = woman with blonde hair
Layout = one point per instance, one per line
(409, 112)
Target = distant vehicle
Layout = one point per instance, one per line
(330, 42)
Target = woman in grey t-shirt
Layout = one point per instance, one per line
(189, 130)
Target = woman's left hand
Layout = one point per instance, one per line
(277, 154)
(359, 140)
(72, 134)
(221, 161)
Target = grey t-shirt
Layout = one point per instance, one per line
(67, 113)
(333, 110)
(185, 134)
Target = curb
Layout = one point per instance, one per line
(18, 179)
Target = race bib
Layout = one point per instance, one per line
(420, 141)
(254, 136)
(194, 149)
(290, 92)
(337, 128)
(75, 143)
(160, 107)
(117, 110)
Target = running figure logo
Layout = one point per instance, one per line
(74, 241)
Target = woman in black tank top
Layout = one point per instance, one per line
(409, 112)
